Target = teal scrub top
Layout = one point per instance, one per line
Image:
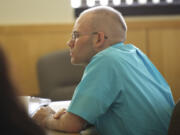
(122, 93)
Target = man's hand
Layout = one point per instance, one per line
(62, 120)
(42, 115)
(58, 114)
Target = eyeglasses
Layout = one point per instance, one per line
(76, 34)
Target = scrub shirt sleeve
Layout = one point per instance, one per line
(96, 92)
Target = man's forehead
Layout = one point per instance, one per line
(82, 23)
(76, 26)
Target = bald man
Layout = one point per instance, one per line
(121, 92)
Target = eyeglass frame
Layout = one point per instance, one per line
(76, 35)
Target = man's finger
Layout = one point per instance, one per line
(59, 113)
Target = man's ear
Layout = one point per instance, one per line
(99, 40)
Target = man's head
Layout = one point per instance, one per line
(94, 30)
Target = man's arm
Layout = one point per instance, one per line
(66, 122)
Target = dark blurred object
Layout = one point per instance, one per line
(174, 126)
(57, 77)
(14, 119)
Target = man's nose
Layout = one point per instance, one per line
(70, 43)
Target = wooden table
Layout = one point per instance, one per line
(52, 132)
(88, 131)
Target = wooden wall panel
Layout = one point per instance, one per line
(164, 46)
(138, 38)
(159, 39)
(25, 44)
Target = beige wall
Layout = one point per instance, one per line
(13, 12)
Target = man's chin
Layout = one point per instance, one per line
(73, 62)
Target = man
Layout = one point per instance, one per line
(121, 92)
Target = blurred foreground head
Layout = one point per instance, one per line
(13, 117)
